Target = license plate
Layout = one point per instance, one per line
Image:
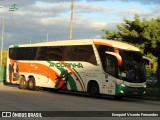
(135, 93)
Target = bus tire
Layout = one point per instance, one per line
(23, 83)
(31, 84)
(93, 89)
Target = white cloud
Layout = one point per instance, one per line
(54, 21)
(98, 25)
(92, 24)
(55, 8)
(35, 18)
(89, 8)
(140, 1)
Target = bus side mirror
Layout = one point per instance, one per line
(148, 61)
(119, 58)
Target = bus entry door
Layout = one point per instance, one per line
(109, 85)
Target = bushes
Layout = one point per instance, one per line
(4, 58)
(151, 74)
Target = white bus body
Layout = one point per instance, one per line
(96, 66)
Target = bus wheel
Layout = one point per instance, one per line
(93, 89)
(23, 83)
(31, 84)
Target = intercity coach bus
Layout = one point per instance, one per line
(93, 66)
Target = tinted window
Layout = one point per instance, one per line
(12, 53)
(23, 53)
(131, 55)
(50, 53)
(70, 53)
(86, 53)
(110, 65)
(80, 53)
(101, 50)
(20, 53)
(55, 53)
(30, 53)
(17, 53)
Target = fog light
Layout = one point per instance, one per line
(121, 92)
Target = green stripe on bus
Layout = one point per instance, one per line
(70, 81)
(80, 78)
(15, 46)
(129, 91)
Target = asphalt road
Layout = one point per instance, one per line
(15, 99)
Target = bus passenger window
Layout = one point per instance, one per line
(86, 53)
(12, 53)
(110, 66)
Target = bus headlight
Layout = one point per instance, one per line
(121, 92)
(145, 86)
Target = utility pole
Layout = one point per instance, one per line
(47, 37)
(13, 8)
(71, 20)
(2, 39)
(30, 40)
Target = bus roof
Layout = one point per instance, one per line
(111, 43)
(116, 44)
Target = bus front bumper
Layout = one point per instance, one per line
(122, 90)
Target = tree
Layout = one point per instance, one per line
(4, 58)
(142, 33)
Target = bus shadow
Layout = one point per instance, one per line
(83, 95)
(10, 85)
(86, 95)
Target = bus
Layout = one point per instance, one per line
(94, 66)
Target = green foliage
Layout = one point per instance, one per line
(145, 34)
(151, 72)
(4, 58)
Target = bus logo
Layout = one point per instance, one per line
(61, 65)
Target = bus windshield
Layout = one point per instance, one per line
(132, 68)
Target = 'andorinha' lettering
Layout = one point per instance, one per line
(60, 65)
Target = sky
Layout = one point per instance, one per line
(36, 19)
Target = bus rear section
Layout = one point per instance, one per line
(44, 66)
